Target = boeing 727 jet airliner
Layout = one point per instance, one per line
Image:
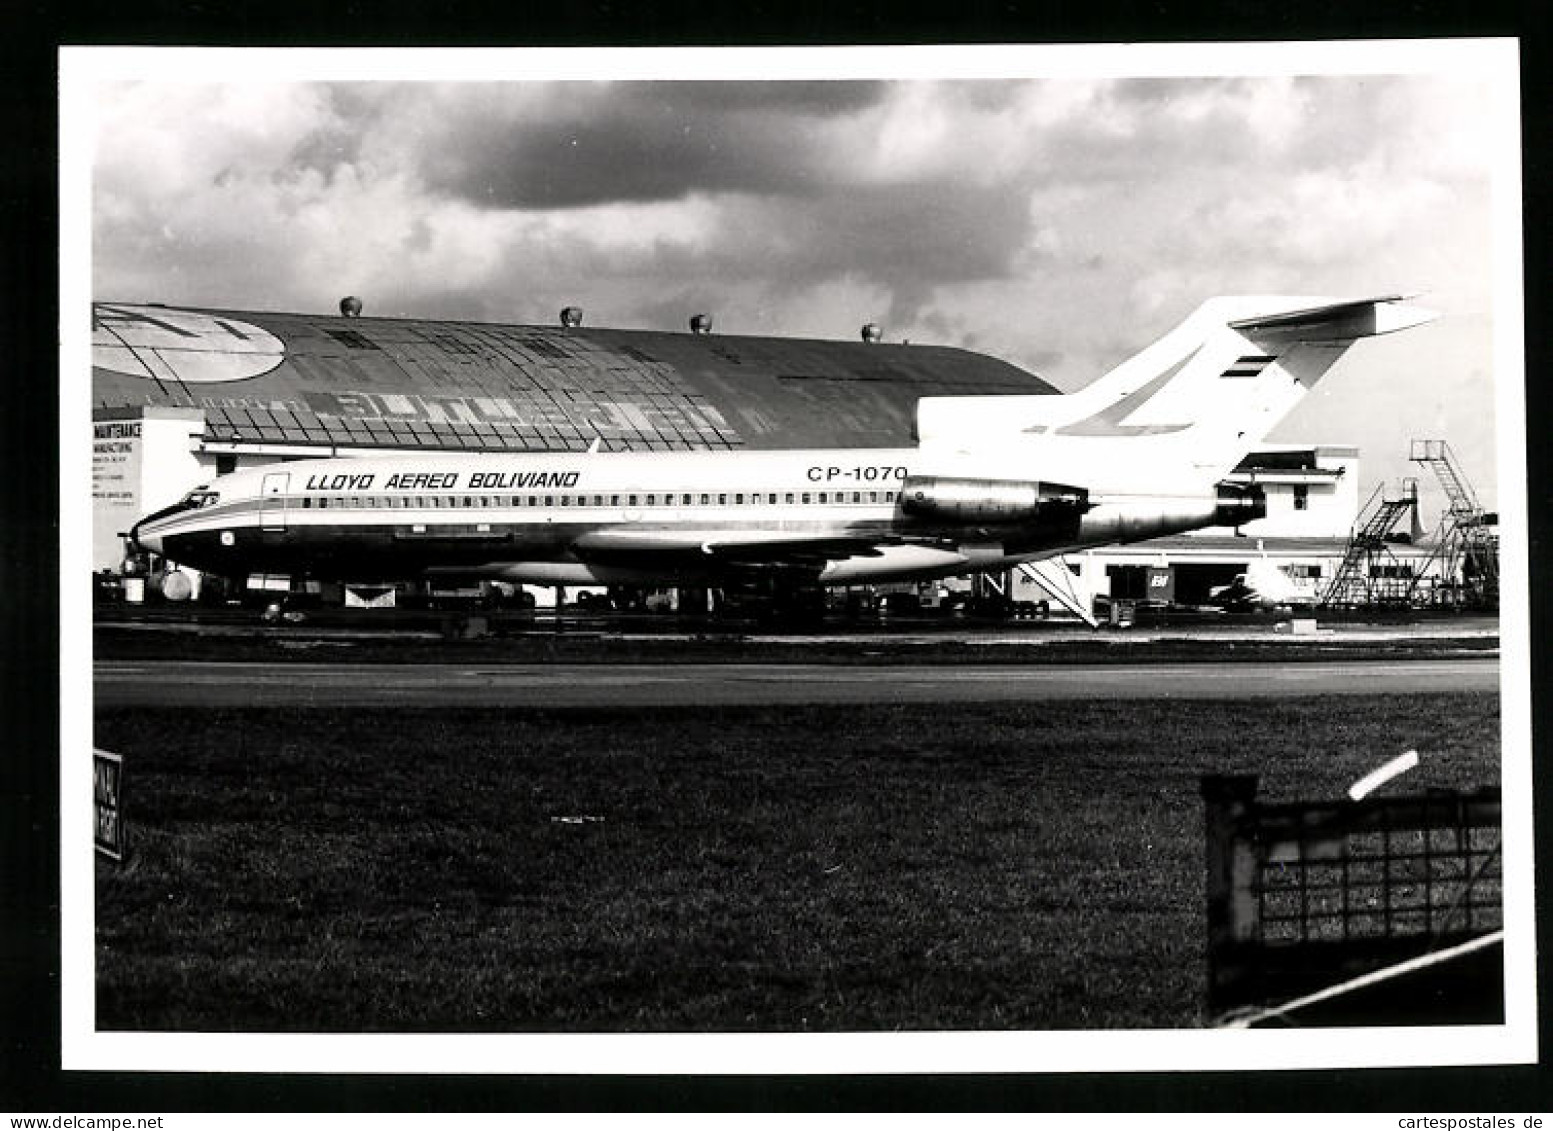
(994, 481)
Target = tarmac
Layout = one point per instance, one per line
(292, 683)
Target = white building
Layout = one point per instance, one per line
(1313, 501)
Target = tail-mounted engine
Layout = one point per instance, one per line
(1239, 504)
(989, 502)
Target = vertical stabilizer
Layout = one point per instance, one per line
(1216, 384)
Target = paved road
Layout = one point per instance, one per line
(180, 684)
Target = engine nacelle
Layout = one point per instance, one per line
(1140, 517)
(1238, 505)
(990, 501)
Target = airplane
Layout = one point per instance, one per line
(994, 481)
(1264, 585)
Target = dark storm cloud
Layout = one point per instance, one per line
(887, 232)
(818, 99)
(590, 143)
(946, 232)
(912, 239)
(908, 241)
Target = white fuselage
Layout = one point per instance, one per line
(531, 517)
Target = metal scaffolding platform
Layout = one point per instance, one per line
(1371, 573)
(1465, 565)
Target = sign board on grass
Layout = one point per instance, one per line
(108, 803)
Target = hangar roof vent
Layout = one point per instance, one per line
(872, 333)
(350, 306)
(571, 317)
(700, 323)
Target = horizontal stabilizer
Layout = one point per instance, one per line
(1359, 318)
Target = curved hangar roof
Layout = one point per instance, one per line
(389, 382)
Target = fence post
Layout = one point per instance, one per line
(1231, 872)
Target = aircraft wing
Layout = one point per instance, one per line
(730, 547)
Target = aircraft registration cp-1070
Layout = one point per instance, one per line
(995, 481)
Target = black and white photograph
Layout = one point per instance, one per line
(828, 561)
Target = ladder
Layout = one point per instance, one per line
(1437, 454)
(1053, 576)
(1362, 577)
(1468, 547)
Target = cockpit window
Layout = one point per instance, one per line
(201, 497)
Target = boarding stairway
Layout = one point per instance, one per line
(1467, 550)
(1368, 573)
(1054, 578)
(1453, 481)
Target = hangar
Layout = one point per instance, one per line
(182, 394)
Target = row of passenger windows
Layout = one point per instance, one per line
(670, 499)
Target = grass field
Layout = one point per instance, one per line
(988, 867)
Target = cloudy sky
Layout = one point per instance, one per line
(1061, 223)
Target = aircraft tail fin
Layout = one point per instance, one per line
(1216, 384)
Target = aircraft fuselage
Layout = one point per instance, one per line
(832, 516)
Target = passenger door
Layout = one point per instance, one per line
(272, 501)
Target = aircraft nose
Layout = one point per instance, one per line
(141, 540)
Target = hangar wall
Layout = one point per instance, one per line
(142, 459)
